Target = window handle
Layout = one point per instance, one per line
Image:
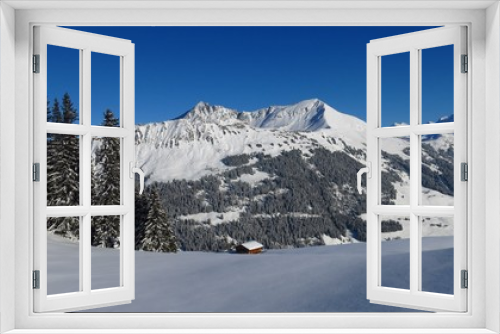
(368, 171)
(136, 170)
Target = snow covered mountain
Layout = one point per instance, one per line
(284, 175)
(206, 134)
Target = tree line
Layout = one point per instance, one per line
(63, 185)
(299, 203)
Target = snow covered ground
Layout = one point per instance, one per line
(214, 217)
(314, 279)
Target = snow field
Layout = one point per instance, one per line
(214, 217)
(313, 279)
(207, 134)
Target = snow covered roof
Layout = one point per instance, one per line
(251, 245)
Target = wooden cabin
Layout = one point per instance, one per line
(250, 247)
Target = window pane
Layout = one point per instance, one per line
(437, 254)
(106, 171)
(395, 171)
(395, 89)
(63, 170)
(437, 169)
(63, 84)
(437, 84)
(395, 251)
(105, 89)
(63, 255)
(105, 253)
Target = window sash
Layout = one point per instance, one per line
(413, 43)
(86, 297)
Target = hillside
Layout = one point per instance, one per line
(283, 175)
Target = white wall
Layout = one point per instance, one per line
(222, 17)
(492, 163)
(7, 160)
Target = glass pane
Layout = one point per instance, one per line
(395, 251)
(63, 255)
(437, 254)
(105, 253)
(106, 171)
(437, 84)
(437, 169)
(395, 172)
(395, 89)
(63, 84)
(63, 170)
(105, 89)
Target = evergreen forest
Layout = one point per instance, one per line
(64, 189)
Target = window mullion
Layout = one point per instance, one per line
(433, 129)
(85, 265)
(414, 169)
(85, 242)
(86, 184)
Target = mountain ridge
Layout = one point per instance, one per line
(205, 134)
(314, 111)
(282, 175)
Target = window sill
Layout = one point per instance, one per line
(251, 331)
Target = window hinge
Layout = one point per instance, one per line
(36, 279)
(465, 64)
(36, 63)
(464, 171)
(465, 279)
(36, 172)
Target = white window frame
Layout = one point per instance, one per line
(86, 44)
(414, 44)
(483, 21)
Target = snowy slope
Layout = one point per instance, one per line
(203, 136)
(309, 115)
(315, 279)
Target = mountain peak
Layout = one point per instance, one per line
(312, 102)
(307, 115)
(201, 105)
(205, 112)
(301, 106)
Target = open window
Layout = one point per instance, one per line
(406, 287)
(482, 20)
(86, 163)
(72, 154)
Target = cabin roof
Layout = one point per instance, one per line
(251, 245)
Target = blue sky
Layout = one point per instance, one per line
(248, 68)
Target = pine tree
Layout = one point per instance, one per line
(93, 183)
(56, 115)
(110, 119)
(158, 234)
(63, 164)
(141, 215)
(105, 231)
(106, 185)
(49, 112)
(107, 166)
(69, 114)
